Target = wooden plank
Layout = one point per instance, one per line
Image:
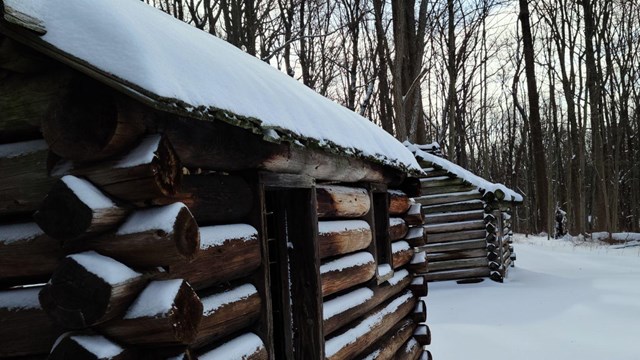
(462, 254)
(399, 202)
(446, 189)
(440, 181)
(285, 181)
(347, 271)
(440, 199)
(342, 201)
(458, 274)
(386, 348)
(454, 226)
(454, 217)
(455, 236)
(458, 264)
(455, 246)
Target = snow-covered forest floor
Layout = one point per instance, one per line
(565, 299)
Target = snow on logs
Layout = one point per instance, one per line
(149, 171)
(413, 217)
(91, 122)
(88, 289)
(393, 340)
(399, 202)
(401, 252)
(226, 252)
(416, 236)
(343, 309)
(365, 332)
(343, 236)
(74, 207)
(397, 229)
(247, 346)
(341, 201)
(85, 345)
(167, 312)
(347, 271)
(410, 350)
(25, 328)
(24, 179)
(226, 312)
(156, 236)
(27, 255)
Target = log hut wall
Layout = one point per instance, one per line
(467, 230)
(126, 233)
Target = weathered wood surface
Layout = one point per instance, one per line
(398, 229)
(410, 350)
(347, 271)
(19, 58)
(401, 252)
(452, 255)
(435, 180)
(419, 286)
(226, 312)
(458, 264)
(458, 274)
(399, 202)
(144, 240)
(27, 255)
(472, 244)
(74, 207)
(432, 190)
(87, 345)
(453, 207)
(419, 262)
(149, 171)
(436, 172)
(216, 198)
(25, 329)
(227, 252)
(88, 289)
(454, 217)
(377, 322)
(25, 100)
(341, 201)
(454, 226)
(386, 348)
(220, 146)
(455, 236)
(91, 122)
(441, 199)
(24, 181)
(253, 348)
(416, 236)
(413, 216)
(342, 237)
(380, 293)
(174, 320)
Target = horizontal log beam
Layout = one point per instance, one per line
(454, 226)
(25, 328)
(453, 207)
(416, 236)
(88, 289)
(347, 271)
(24, 180)
(366, 332)
(413, 217)
(441, 199)
(227, 311)
(452, 255)
(419, 262)
(458, 264)
(454, 217)
(247, 346)
(458, 274)
(399, 202)
(173, 320)
(391, 342)
(227, 252)
(410, 350)
(419, 286)
(446, 189)
(397, 229)
(27, 255)
(455, 246)
(342, 237)
(455, 236)
(337, 313)
(401, 252)
(422, 334)
(341, 201)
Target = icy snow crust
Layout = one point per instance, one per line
(468, 176)
(158, 218)
(190, 71)
(111, 271)
(155, 300)
(214, 302)
(347, 261)
(98, 345)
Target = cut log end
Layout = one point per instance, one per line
(185, 230)
(62, 214)
(168, 173)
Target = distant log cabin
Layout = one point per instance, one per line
(165, 196)
(467, 220)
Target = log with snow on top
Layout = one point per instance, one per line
(454, 226)
(347, 271)
(27, 255)
(24, 180)
(362, 334)
(422, 334)
(25, 329)
(150, 237)
(455, 236)
(461, 206)
(149, 171)
(401, 252)
(247, 346)
(419, 286)
(457, 264)
(226, 252)
(398, 229)
(399, 202)
(413, 217)
(453, 246)
(416, 236)
(167, 312)
(226, 312)
(445, 187)
(441, 199)
(346, 308)
(419, 263)
(88, 289)
(458, 274)
(456, 254)
(410, 350)
(92, 122)
(87, 345)
(75, 207)
(454, 217)
(386, 348)
(216, 198)
(341, 201)
(420, 312)
(340, 237)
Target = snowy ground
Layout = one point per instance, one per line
(563, 300)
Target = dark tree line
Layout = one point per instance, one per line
(543, 96)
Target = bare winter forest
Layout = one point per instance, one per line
(543, 96)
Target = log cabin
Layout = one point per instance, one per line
(165, 196)
(467, 220)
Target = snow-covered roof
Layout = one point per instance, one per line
(181, 69)
(466, 175)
